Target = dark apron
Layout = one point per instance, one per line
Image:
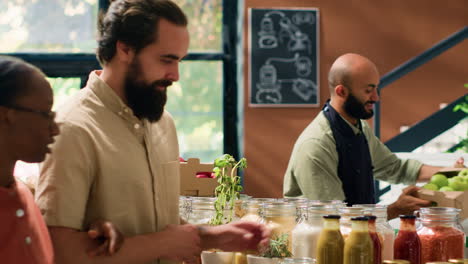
(354, 160)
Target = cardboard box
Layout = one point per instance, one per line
(190, 185)
(457, 200)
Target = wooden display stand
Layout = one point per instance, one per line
(190, 185)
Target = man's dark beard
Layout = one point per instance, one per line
(357, 109)
(146, 100)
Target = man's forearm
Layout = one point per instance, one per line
(71, 246)
(426, 172)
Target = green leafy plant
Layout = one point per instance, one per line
(278, 248)
(463, 106)
(227, 191)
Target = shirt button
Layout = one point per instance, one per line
(120, 113)
(28, 240)
(126, 110)
(20, 213)
(136, 126)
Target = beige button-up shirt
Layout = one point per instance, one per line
(108, 164)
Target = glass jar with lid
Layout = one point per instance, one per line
(298, 261)
(306, 233)
(253, 209)
(280, 217)
(239, 205)
(202, 209)
(442, 237)
(301, 207)
(184, 203)
(337, 203)
(346, 214)
(385, 231)
(458, 261)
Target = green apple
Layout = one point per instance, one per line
(465, 186)
(456, 185)
(431, 186)
(463, 173)
(439, 179)
(446, 189)
(457, 178)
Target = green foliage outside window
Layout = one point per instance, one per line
(463, 106)
(63, 88)
(69, 26)
(195, 102)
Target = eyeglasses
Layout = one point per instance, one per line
(49, 115)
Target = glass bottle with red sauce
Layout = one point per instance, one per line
(375, 239)
(442, 237)
(407, 244)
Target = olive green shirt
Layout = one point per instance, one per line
(313, 167)
(108, 164)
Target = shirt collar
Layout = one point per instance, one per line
(357, 129)
(109, 97)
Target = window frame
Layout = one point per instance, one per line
(81, 64)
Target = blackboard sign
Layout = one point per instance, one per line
(283, 55)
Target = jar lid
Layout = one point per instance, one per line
(458, 261)
(396, 261)
(331, 216)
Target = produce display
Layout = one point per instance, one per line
(440, 182)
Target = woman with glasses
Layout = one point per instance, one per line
(27, 127)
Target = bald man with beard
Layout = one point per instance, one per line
(337, 157)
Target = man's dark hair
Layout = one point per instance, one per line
(13, 76)
(134, 22)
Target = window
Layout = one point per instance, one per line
(58, 36)
(48, 26)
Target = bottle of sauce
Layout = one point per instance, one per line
(358, 248)
(442, 237)
(384, 230)
(345, 222)
(375, 239)
(407, 244)
(330, 243)
(306, 233)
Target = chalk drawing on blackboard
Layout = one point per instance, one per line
(267, 35)
(302, 87)
(297, 39)
(303, 18)
(269, 96)
(283, 56)
(269, 86)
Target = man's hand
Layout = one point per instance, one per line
(236, 236)
(108, 235)
(182, 243)
(407, 203)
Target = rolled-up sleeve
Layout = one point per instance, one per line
(388, 167)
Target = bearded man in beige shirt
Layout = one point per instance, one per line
(117, 155)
